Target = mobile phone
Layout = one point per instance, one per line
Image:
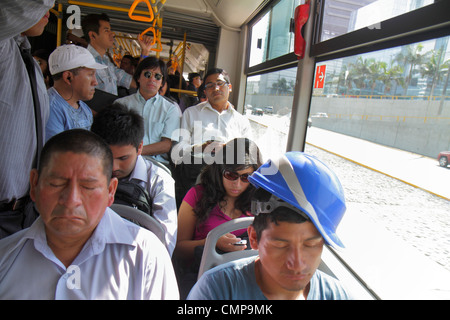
(241, 243)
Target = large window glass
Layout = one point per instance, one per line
(379, 120)
(343, 16)
(268, 105)
(270, 36)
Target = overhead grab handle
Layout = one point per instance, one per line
(138, 17)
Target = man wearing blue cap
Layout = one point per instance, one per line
(298, 205)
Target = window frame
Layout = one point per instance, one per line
(420, 24)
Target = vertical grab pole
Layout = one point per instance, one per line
(59, 25)
(303, 90)
(183, 56)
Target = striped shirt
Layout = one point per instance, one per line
(17, 127)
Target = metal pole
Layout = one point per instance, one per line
(59, 25)
(303, 90)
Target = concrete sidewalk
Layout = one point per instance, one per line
(414, 169)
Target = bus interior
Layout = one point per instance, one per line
(362, 85)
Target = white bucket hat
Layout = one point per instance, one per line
(70, 56)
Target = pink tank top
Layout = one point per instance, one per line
(215, 218)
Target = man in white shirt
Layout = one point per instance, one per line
(123, 130)
(205, 126)
(79, 248)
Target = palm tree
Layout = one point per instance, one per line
(376, 71)
(446, 69)
(432, 68)
(393, 74)
(411, 55)
(359, 71)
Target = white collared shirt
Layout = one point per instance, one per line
(202, 122)
(119, 261)
(161, 188)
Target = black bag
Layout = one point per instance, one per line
(134, 195)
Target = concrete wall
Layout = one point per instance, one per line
(411, 125)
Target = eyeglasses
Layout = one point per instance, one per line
(149, 74)
(212, 85)
(233, 176)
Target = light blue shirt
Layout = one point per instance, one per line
(161, 118)
(112, 77)
(119, 261)
(65, 117)
(161, 188)
(236, 280)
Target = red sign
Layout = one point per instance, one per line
(320, 76)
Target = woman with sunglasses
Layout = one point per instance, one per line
(224, 193)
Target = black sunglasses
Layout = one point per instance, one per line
(233, 176)
(149, 74)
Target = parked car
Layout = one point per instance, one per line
(258, 111)
(268, 110)
(319, 115)
(444, 158)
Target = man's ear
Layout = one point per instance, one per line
(140, 148)
(34, 177)
(92, 35)
(252, 237)
(112, 190)
(67, 77)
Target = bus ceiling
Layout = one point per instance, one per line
(198, 22)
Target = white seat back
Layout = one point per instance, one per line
(211, 258)
(140, 218)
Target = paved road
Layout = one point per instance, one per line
(414, 169)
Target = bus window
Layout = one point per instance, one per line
(341, 17)
(270, 35)
(379, 120)
(268, 105)
(379, 117)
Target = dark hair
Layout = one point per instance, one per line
(119, 126)
(201, 91)
(237, 154)
(280, 214)
(132, 59)
(78, 141)
(150, 63)
(92, 23)
(193, 75)
(217, 70)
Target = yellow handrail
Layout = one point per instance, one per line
(101, 6)
(137, 15)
